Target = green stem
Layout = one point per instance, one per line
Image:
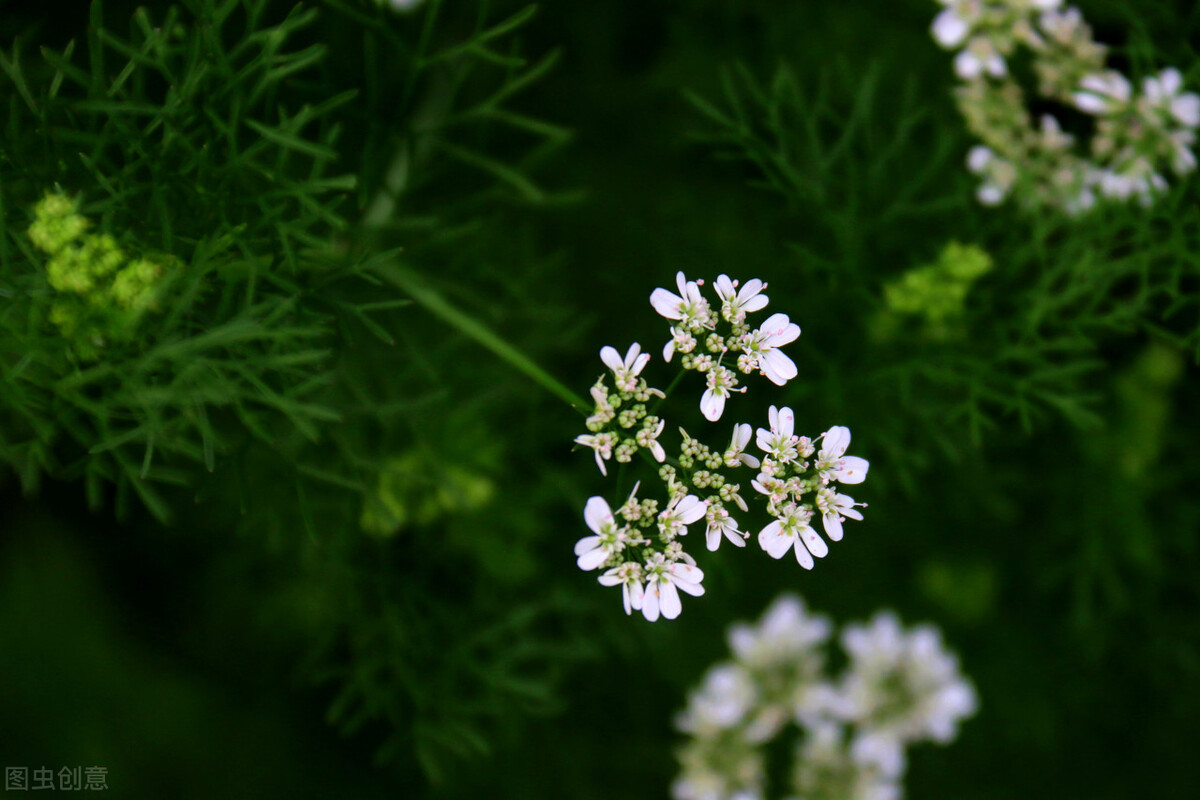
(435, 304)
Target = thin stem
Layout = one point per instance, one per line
(433, 302)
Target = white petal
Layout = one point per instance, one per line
(586, 544)
(764, 440)
(724, 288)
(597, 513)
(592, 559)
(833, 526)
(668, 351)
(772, 540)
(666, 303)
(780, 330)
(609, 578)
(611, 359)
(749, 460)
(853, 470)
(669, 601)
(815, 544)
(694, 589)
(778, 368)
(687, 573)
(1186, 109)
(978, 158)
(836, 440)
(712, 537)
(712, 404)
(600, 464)
(631, 355)
(1172, 81)
(786, 421)
(949, 29)
(636, 594)
(803, 557)
(682, 283)
(968, 66)
(734, 537)
(657, 451)
(690, 509)
(650, 601)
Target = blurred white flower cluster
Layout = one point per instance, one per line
(640, 545)
(899, 687)
(1138, 136)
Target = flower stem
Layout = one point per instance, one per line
(435, 304)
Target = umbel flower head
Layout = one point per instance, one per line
(1139, 136)
(642, 546)
(898, 687)
(101, 291)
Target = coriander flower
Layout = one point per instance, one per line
(779, 442)
(722, 701)
(629, 576)
(625, 372)
(736, 304)
(786, 633)
(980, 56)
(825, 769)
(834, 464)
(791, 531)
(834, 509)
(602, 445)
(1163, 92)
(900, 687)
(664, 580)
(735, 454)
(689, 306)
(1102, 93)
(720, 523)
(720, 383)
(679, 513)
(762, 348)
(609, 539)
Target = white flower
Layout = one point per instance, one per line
(609, 538)
(602, 444)
(792, 531)
(625, 372)
(720, 523)
(736, 304)
(949, 29)
(722, 701)
(834, 464)
(647, 437)
(762, 348)
(1163, 92)
(834, 509)
(629, 576)
(1102, 93)
(900, 688)
(689, 306)
(604, 408)
(786, 633)
(980, 56)
(779, 442)
(826, 769)
(681, 340)
(679, 513)
(735, 455)
(720, 383)
(664, 581)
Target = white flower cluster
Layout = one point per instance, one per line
(1138, 136)
(897, 689)
(696, 326)
(639, 546)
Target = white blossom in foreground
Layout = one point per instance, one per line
(608, 539)
(665, 578)
(736, 454)
(762, 349)
(689, 306)
(625, 371)
(900, 687)
(834, 464)
(777, 677)
(736, 303)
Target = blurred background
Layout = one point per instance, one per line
(422, 631)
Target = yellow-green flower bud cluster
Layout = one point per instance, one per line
(936, 293)
(101, 291)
